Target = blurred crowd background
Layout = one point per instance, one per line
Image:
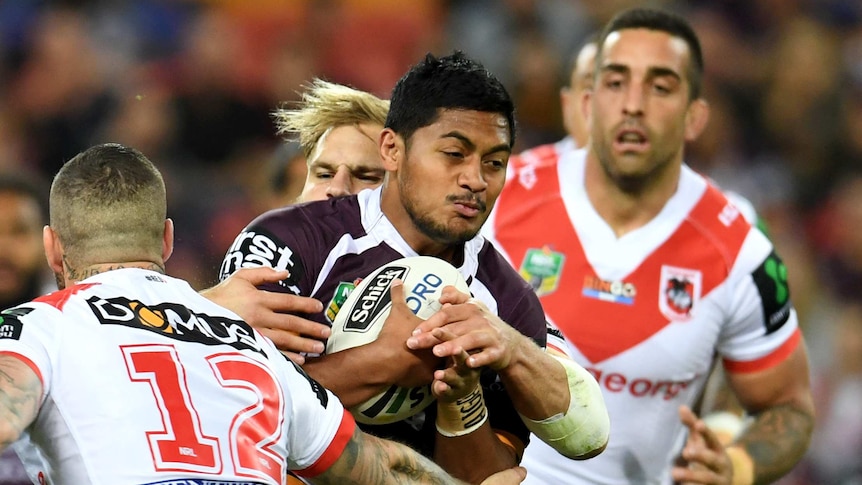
(192, 85)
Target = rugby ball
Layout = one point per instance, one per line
(362, 315)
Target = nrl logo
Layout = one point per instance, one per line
(338, 298)
(542, 269)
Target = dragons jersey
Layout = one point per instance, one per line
(329, 246)
(144, 382)
(645, 313)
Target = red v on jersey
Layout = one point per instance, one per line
(664, 289)
(58, 298)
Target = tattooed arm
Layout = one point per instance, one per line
(367, 459)
(780, 401)
(20, 392)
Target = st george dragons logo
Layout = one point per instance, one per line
(679, 292)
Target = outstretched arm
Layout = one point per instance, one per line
(273, 314)
(367, 459)
(20, 392)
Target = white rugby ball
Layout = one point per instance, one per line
(363, 314)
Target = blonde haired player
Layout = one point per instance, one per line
(337, 127)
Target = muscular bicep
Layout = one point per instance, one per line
(786, 383)
(20, 393)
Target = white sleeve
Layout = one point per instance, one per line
(32, 333)
(762, 326)
(319, 426)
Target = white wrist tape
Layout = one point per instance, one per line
(585, 426)
(462, 416)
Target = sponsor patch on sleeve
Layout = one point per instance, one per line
(10, 323)
(257, 247)
(771, 281)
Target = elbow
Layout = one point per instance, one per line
(589, 440)
(583, 431)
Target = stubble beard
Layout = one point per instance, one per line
(630, 183)
(435, 231)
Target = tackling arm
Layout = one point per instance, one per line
(275, 315)
(367, 459)
(20, 393)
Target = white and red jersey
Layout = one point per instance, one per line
(646, 313)
(145, 381)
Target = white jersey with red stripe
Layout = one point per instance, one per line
(145, 381)
(645, 313)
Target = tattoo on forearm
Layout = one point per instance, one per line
(372, 460)
(776, 440)
(20, 391)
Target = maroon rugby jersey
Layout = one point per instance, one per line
(327, 246)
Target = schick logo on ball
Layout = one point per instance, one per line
(373, 299)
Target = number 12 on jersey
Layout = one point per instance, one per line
(182, 445)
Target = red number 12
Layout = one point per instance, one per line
(181, 444)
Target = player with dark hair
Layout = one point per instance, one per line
(649, 273)
(447, 140)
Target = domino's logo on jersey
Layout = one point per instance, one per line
(257, 247)
(679, 292)
(174, 321)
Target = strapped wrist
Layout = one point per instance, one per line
(463, 416)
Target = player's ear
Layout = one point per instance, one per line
(391, 149)
(168, 240)
(53, 250)
(696, 118)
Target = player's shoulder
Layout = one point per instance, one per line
(717, 218)
(313, 214)
(714, 216)
(296, 238)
